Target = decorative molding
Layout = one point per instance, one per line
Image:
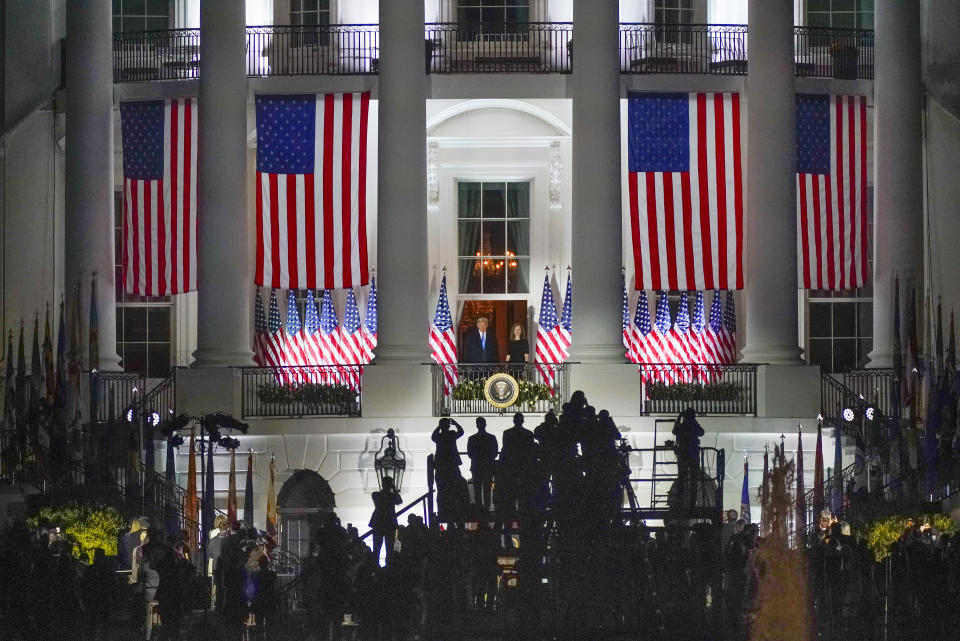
(433, 175)
(516, 107)
(556, 168)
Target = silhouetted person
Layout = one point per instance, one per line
(516, 474)
(97, 594)
(383, 522)
(480, 345)
(446, 464)
(482, 450)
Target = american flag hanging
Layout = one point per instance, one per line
(831, 141)
(159, 245)
(370, 322)
(628, 344)
(711, 337)
(729, 336)
(259, 331)
(311, 190)
(686, 190)
(551, 343)
(443, 343)
(565, 328)
(646, 349)
(275, 341)
(679, 337)
(330, 348)
(311, 333)
(294, 350)
(353, 342)
(662, 327)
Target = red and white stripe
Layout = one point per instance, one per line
(687, 227)
(552, 347)
(312, 228)
(832, 219)
(160, 216)
(443, 346)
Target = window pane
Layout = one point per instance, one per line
(469, 238)
(518, 237)
(135, 324)
(158, 356)
(494, 277)
(133, 7)
(468, 15)
(844, 20)
(844, 354)
(310, 18)
(518, 200)
(494, 238)
(844, 321)
(309, 5)
(818, 19)
(494, 204)
(864, 347)
(133, 24)
(493, 15)
(295, 5)
(865, 20)
(821, 353)
(470, 276)
(116, 7)
(118, 290)
(120, 324)
(135, 357)
(117, 25)
(520, 14)
(819, 319)
(469, 200)
(158, 8)
(865, 319)
(158, 324)
(843, 5)
(865, 5)
(518, 273)
(818, 5)
(158, 24)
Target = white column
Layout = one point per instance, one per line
(224, 302)
(402, 184)
(595, 86)
(898, 169)
(88, 233)
(770, 298)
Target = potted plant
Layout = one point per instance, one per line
(844, 56)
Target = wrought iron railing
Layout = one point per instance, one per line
(683, 48)
(835, 397)
(172, 54)
(498, 47)
(162, 398)
(112, 392)
(874, 385)
(827, 52)
(669, 388)
(308, 50)
(304, 390)
(541, 387)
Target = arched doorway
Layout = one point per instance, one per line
(302, 503)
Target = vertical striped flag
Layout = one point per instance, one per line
(831, 143)
(271, 520)
(745, 492)
(311, 336)
(645, 346)
(259, 331)
(628, 344)
(550, 348)
(678, 336)
(232, 488)
(443, 342)
(352, 343)
(159, 196)
(370, 321)
(565, 328)
(311, 187)
(685, 182)
(331, 351)
(728, 337)
(801, 503)
(661, 334)
(695, 338)
(293, 350)
(275, 340)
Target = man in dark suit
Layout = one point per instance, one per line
(480, 345)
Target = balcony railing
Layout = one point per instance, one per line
(833, 53)
(710, 389)
(112, 392)
(489, 47)
(874, 385)
(306, 390)
(506, 47)
(536, 394)
(683, 48)
(313, 50)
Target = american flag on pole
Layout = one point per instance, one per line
(311, 190)
(628, 343)
(443, 343)
(370, 322)
(311, 335)
(685, 182)
(274, 342)
(680, 337)
(159, 196)
(551, 347)
(661, 333)
(353, 342)
(645, 345)
(331, 352)
(259, 332)
(728, 337)
(565, 329)
(831, 142)
(711, 337)
(293, 354)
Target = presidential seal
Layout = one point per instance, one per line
(501, 390)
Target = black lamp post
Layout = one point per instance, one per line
(390, 460)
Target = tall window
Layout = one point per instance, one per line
(310, 13)
(669, 15)
(841, 323)
(492, 19)
(144, 324)
(845, 14)
(494, 237)
(141, 15)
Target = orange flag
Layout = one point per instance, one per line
(232, 494)
(271, 505)
(191, 510)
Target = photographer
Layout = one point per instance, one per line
(451, 488)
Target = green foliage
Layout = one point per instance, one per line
(881, 534)
(87, 527)
(305, 393)
(529, 392)
(719, 391)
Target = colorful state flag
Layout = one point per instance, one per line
(831, 142)
(443, 342)
(685, 180)
(159, 196)
(311, 188)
